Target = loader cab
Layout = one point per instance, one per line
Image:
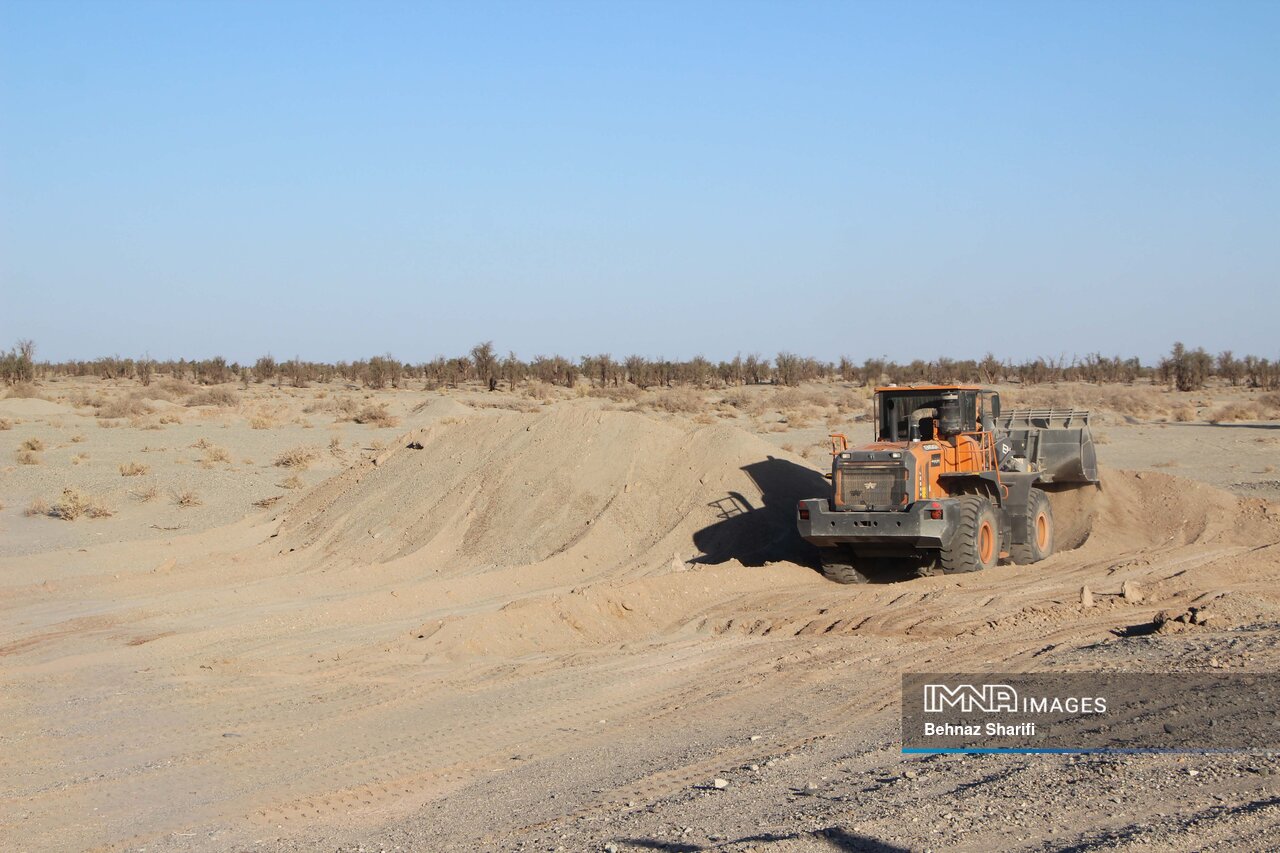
(934, 412)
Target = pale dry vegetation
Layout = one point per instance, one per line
(219, 397)
(297, 457)
(131, 406)
(144, 493)
(375, 415)
(73, 504)
(23, 390)
(213, 453)
(187, 499)
(675, 401)
(134, 469)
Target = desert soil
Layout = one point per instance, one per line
(552, 620)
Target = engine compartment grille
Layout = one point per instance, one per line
(872, 487)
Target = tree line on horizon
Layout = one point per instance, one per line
(1182, 369)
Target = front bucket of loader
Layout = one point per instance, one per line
(1055, 442)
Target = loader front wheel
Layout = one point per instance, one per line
(838, 565)
(975, 544)
(1039, 542)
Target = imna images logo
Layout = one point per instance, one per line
(968, 698)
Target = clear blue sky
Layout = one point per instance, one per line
(337, 180)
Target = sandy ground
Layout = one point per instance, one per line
(555, 623)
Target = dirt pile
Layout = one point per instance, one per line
(596, 493)
(1133, 510)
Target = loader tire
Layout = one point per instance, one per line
(838, 565)
(1039, 531)
(976, 542)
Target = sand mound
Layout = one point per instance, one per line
(1139, 509)
(435, 408)
(600, 493)
(32, 407)
(585, 492)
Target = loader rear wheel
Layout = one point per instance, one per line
(838, 565)
(975, 544)
(1039, 542)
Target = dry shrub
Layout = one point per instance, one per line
(5, 423)
(109, 424)
(145, 493)
(541, 391)
(131, 406)
(213, 453)
(297, 457)
(32, 444)
(739, 398)
(793, 398)
(23, 389)
(335, 446)
(259, 422)
(75, 503)
(134, 469)
(28, 457)
(376, 415)
(221, 397)
(1234, 412)
(619, 394)
(676, 400)
(170, 418)
(80, 399)
(1269, 404)
(507, 403)
(168, 389)
(39, 506)
(344, 406)
(203, 444)
(294, 482)
(1184, 414)
(187, 499)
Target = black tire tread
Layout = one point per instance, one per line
(838, 566)
(960, 555)
(1026, 553)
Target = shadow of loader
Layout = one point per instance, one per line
(756, 535)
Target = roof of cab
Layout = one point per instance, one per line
(881, 388)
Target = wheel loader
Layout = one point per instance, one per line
(950, 484)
